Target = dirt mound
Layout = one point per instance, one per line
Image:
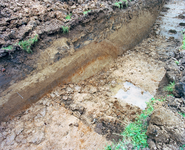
(166, 129)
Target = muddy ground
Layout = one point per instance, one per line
(88, 116)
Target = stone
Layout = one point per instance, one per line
(10, 138)
(21, 139)
(37, 137)
(165, 126)
(19, 128)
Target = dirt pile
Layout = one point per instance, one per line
(166, 129)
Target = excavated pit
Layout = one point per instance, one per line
(85, 111)
(92, 43)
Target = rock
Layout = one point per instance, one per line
(19, 128)
(77, 89)
(10, 138)
(1, 137)
(180, 88)
(21, 139)
(172, 70)
(164, 126)
(76, 107)
(172, 31)
(37, 137)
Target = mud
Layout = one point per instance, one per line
(59, 58)
(86, 114)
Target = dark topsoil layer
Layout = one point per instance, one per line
(23, 19)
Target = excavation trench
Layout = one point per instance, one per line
(86, 88)
(91, 45)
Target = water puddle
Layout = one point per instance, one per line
(133, 95)
(171, 25)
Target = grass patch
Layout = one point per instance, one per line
(119, 4)
(170, 87)
(65, 29)
(177, 62)
(9, 48)
(135, 132)
(183, 114)
(26, 45)
(183, 41)
(68, 17)
(86, 12)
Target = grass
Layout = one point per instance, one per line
(182, 147)
(9, 48)
(177, 62)
(119, 4)
(183, 114)
(86, 12)
(68, 17)
(65, 29)
(183, 42)
(135, 132)
(170, 87)
(26, 45)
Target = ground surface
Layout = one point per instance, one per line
(87, 115)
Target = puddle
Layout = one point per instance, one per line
(134, 95)
(169, 20)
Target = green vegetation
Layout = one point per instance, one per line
(9, 48)
(86, 12)
(135, 132)
(183, 41)
(26, 45)
(119, 4)
(68, 17)
(183, 114)
(177, 62)
(65, 29)
(182, 147)
(170, 87)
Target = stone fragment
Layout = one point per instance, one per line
(10, 138)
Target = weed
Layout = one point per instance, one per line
(26, 45)
(182, 147)
(86, 12)
(177, 62)
(9, 48)
(183, 42)
(68, 17)
(119, 4)
(183, 114)
(135, 132)
(170, 87)
(65, 29)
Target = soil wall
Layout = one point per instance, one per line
(92, 43)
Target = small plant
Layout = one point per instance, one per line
(135, 132)
(68, 17)
(26, 45)
(183, 114)
(183, 42)
(86, 12)
(177, 62)
(119, 4)
(9, 48)
(182, 147)
(170, 87)
(65, 29)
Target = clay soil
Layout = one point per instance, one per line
(86, 115)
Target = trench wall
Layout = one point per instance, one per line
(91, 45)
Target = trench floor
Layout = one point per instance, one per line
(87, 115)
